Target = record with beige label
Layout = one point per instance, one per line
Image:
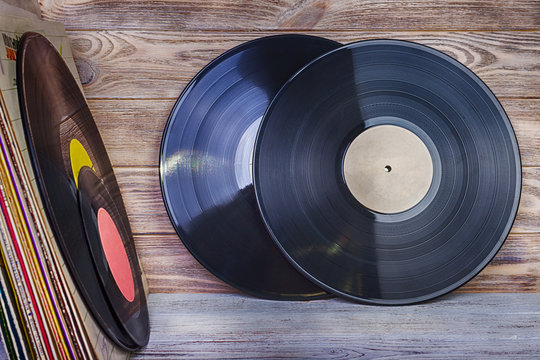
(387, 172)
(80, 193)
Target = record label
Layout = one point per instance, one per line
(388, 169)
(115, 253)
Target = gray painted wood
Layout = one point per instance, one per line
(20, 7)
(218, 326)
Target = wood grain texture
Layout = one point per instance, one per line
(142, 195)
(170, 268)
(136, 64)
(298, 15)
(136, 56)
(457, 326)
(132, 129)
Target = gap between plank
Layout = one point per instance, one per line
(253, 31)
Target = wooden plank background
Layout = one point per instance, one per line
(135, 57)
(247, 328)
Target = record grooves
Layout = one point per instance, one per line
(205, 165)
(416, 252)
(292, 168)
(65, 146)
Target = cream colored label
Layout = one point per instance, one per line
(388, 169)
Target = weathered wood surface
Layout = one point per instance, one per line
(157, 64)
(22, 8)
(133, 71)
(171, 269)
(135, 57)
(122, 121)
(142, 196)
(133, 79)
(457, 326)
(325, 15)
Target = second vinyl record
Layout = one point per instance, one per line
(388, 172)
(205, 165)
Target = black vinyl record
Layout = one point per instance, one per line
(63, 139)
(205, 165)
(399, 257)
(94, 199)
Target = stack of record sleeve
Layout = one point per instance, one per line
(42, 314)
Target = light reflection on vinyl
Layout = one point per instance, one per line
(399, 255)
(205, 165)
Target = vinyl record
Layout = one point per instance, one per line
(106, 239)
(205, 165)
(387, 172)
(63, 139)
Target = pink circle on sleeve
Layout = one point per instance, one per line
(116, 254)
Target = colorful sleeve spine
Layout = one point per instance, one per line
(47, 318)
